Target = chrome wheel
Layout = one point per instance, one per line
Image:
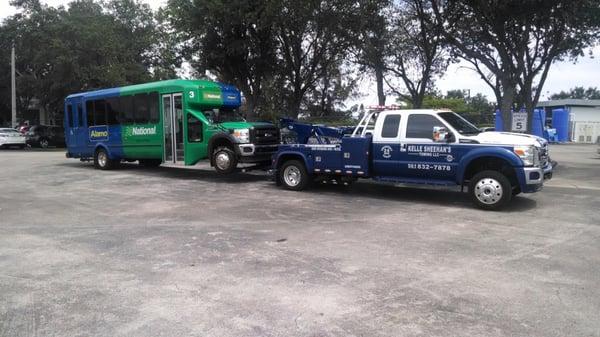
(102, 159)
(489, 191)
(292, 176)
(44, 143)
(223, 161)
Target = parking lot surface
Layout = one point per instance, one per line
(184, 252)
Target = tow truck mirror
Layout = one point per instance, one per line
(441, 134)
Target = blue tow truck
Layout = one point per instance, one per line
(432, 147)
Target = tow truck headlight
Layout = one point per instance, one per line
(242, 135)
(527, 154)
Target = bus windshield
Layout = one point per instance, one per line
(461, 125)
(223, 115)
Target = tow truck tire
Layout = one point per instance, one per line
(224, 160)
(150, 162)
(490, 190)
(294, 176)
(102, 161)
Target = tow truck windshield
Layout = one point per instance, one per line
(460, 124)
(223, 115)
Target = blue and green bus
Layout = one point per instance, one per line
(178, 122)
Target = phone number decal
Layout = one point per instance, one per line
(430, 167)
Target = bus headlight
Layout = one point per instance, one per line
(527, 154)
(242, 135)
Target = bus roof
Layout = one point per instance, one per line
(203, 91)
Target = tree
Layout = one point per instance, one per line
(372, 42)
(513, 43)
(578, 93)
(417, 52)
(233, 40)
(87, 46)
(312, 37)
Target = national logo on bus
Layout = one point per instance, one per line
(140, 130)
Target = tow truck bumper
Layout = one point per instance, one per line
(532, 178)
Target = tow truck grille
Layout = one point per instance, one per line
(544, 155)
(264, 136)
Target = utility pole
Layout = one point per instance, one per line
(13, 83)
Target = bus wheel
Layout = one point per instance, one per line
(224, 160)
(293, 175)
(490, 190)
(150, 162)
(44, 143)
(102, 161)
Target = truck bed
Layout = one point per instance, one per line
(350, 157)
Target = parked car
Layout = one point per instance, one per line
(23, 129)
(45, 136)
(11, 138)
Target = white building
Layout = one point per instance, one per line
(584, 118)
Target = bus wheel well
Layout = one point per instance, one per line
(217, 143)
(494, 164)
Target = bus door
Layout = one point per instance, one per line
(75, 129)
(172, 107)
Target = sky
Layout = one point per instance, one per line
(562, 76)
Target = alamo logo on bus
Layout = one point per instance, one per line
(99, 133)
(143, 131)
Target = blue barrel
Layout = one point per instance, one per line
(498, 125)
(560, 121)
(538, 122)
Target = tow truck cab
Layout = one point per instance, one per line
(433, 147)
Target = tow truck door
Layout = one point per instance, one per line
(420, 156)
(386, 145)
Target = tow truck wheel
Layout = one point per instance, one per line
(293, 175)
(490, 190)
(224, 160)
(102, 161)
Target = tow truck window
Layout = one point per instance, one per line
(421, 126)
(391, 125)
(461, 125)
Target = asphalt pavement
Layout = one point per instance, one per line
(185, 252)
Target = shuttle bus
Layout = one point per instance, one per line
(179, 122)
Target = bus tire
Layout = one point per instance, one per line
(490, 190)
(44, 143)
(294, 176)
(150, 162)
(102, 161)
(224, 160)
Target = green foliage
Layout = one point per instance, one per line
(476, 108)
(513, 43)
(578, 93)
(87, 46)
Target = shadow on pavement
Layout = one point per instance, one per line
(363, 189)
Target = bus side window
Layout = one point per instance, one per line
(70, 114)
(79, 115)
(100, 112)
(112, 111)
(194, 129)
(89, 109)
